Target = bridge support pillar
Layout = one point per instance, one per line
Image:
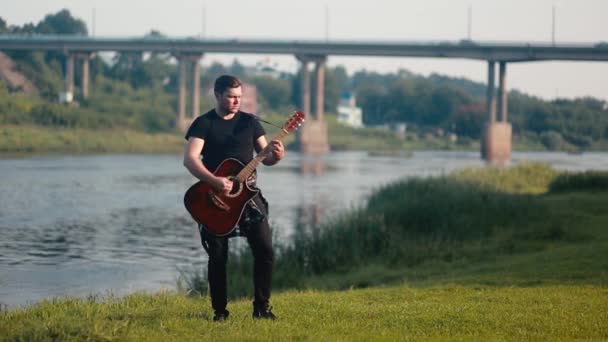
(497, 136)
(196, 87)
(184, 60)
(84, 78)
(491, 93)
(502, 91)
(313, 136)
(320, 96)
(181, 94)
(84, 58)
(304, 85)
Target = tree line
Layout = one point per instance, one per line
(138, 90)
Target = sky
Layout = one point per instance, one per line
(576, 21)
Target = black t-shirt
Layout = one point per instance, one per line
(232, 138)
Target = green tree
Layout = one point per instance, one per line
(469, 120)
(336, 83)
(61, 22)
(237, 69)
(446, 102)
(371, 100)
(3, 27)
(126, 66)
(142, 69)
(400, 103)
(215, 70)
(273, 93)
(28, 28)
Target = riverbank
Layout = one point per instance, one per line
(487, 254)
(26, 140)
(31, 139)
(528, 224)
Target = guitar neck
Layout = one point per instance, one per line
(253, 164)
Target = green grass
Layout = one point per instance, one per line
(37, 139)
(526, 178)
(493, 254)
(28, 139)
(393, 313)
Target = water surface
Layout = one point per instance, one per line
(76, 225)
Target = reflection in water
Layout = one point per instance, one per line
(309, 215)
(90, 224)
(312, 165)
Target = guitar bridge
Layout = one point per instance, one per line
(217, 201)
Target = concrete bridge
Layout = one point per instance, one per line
(496, 144)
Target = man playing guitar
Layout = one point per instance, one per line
(226, 132)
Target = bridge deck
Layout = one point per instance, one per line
(510, 52)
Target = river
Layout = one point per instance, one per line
(79, 225)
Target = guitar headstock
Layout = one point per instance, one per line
(294, 121)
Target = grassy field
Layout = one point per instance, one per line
(31, 139)
(446, 312)
(38, 139)
(492, 254)
(23, 139)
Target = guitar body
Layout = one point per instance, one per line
(219, 212)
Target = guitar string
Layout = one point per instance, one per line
(252, 165)
(248, 169)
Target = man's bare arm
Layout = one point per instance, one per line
(193, 163)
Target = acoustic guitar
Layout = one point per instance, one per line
(220, 212)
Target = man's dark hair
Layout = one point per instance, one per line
(224, 82)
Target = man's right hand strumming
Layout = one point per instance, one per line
(222, 184)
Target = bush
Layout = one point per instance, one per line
(586, 181)
(553, 141)
(51, 115)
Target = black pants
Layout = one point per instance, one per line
(259, 238)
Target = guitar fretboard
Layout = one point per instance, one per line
(253, 164)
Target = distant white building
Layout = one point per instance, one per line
(66, 97)
(348, 112)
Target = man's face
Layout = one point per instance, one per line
(230, 100)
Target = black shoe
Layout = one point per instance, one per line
(263, 313)
(221, 316)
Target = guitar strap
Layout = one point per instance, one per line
(255, 116)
